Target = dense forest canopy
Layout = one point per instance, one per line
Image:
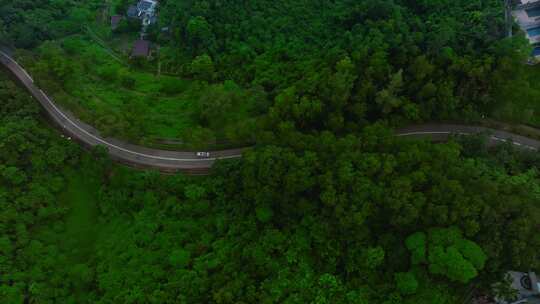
(328, 206)
(334, 65)
(355, 60)
(361, 219)
(27, 23)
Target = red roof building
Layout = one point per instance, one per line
(141, 48)
(115, 20)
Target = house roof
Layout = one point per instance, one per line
(528, 5)
(132, 11)
(141, 48)
(115, 20)
(144, 5)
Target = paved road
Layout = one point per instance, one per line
(441, 132)
(137, 156)
(173, 161)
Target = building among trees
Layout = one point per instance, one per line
(525, 286)
(141, 48)
(144, 10)
(527, 15)
(115, 21)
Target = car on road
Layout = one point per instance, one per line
(203, 154)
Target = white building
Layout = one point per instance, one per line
(144, 10)
(527, 15)
(527, 287)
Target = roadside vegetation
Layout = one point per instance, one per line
(227, 71)
(520, 96)
(361, 219)
(125, 102)
(328, 206)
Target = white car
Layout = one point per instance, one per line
(203, 154)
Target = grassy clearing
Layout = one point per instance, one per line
(133, 102)
(141, 108)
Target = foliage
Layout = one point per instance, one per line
(27, 23)
(451, 255)
(358, 60)
(327, 207)
(406, 283)
(318, 219)
(322, 66)
(137, 105)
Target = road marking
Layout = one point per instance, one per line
(137, 154)
(463, 133)
(17, 64)
(123, 149)
(513, 142)
(58, 111)
(430, 133)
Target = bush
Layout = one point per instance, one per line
(108, 73)
(406, 283)
(128, 26)
(73, 45)
(171, 85)
(203, 67)
(127, 81)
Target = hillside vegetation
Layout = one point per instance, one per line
(242, 68)
(328, 206)
(361, 219)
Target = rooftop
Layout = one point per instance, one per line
(144, 5)
(132, 11)
(141, 48)
(528, 4)
(115, 20)
(527, 286)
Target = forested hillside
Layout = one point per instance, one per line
(365, 219)
(345, 62)
(27, 23)
(319, 65)
(328, 206)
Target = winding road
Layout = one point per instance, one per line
(133, 155)
(188, 162)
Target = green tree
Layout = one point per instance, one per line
(406, 283)
(416, 243)
(448, 253)
(179, 258)
(200, 35)
(203, 67)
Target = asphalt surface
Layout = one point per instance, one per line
(188, 162)
(441, 132)
(136, 156)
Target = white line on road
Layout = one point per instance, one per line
(58, 111)
(137, 154)
(123, 149)
(463, 133)
(430, 133)
(17, 64)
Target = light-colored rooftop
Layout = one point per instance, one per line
(528, 17)
(527, 286)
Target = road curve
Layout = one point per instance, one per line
(133, 155)
(188, 162)
(441, 132)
